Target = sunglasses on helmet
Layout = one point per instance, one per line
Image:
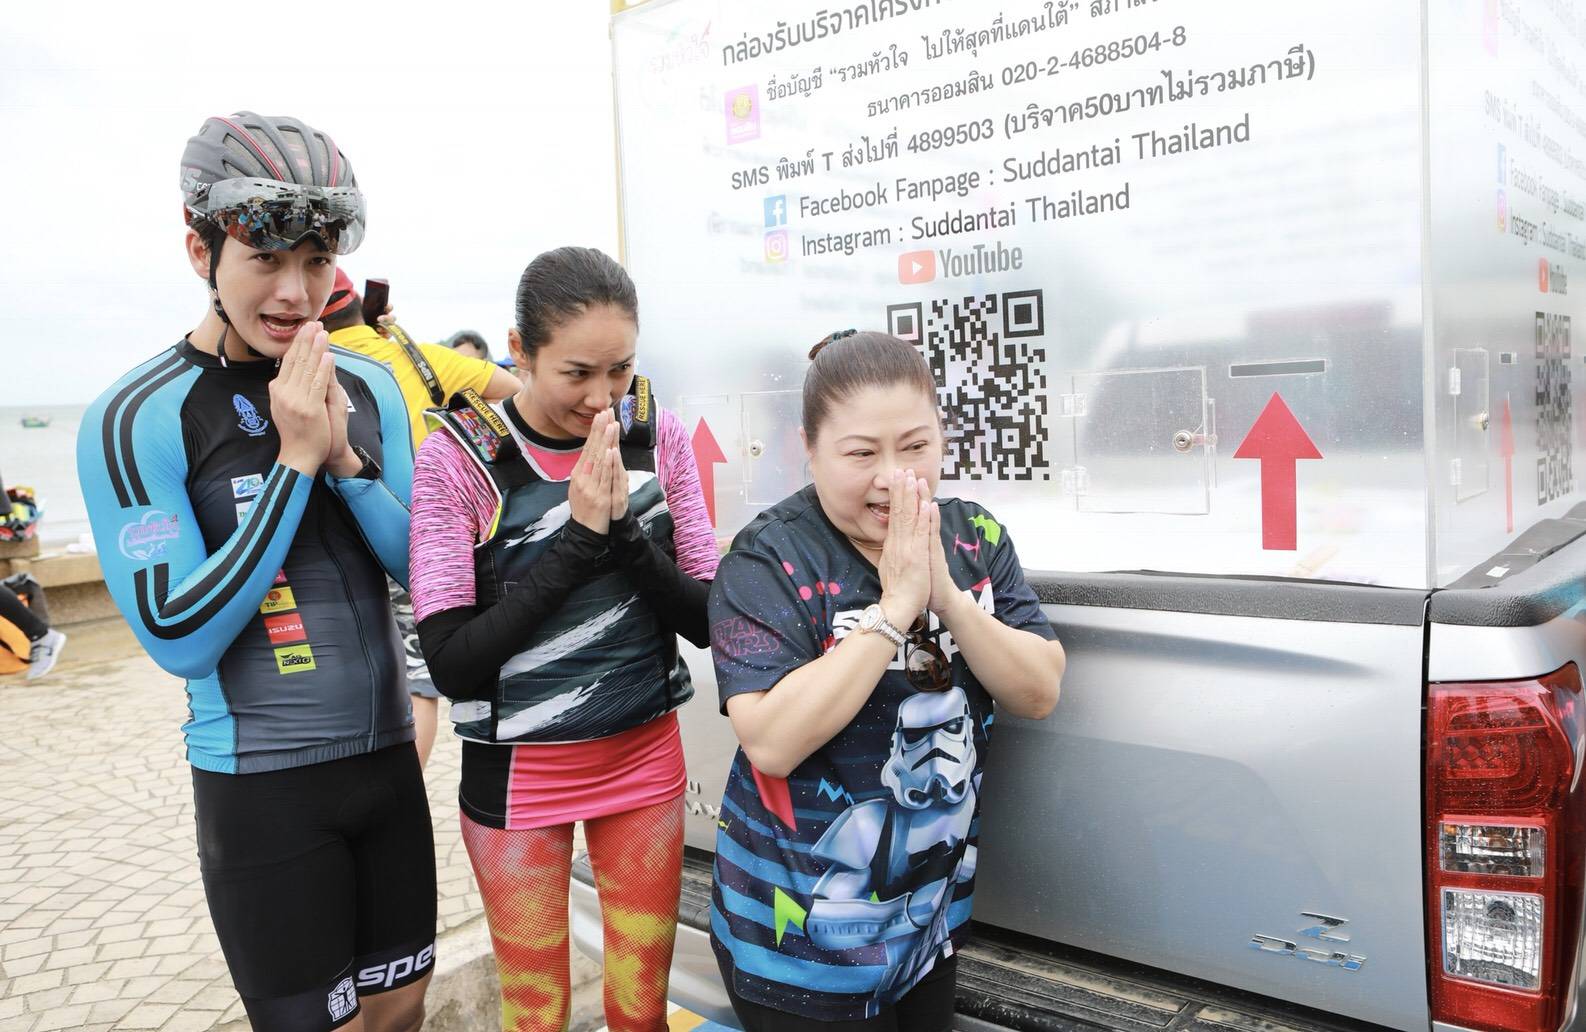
(269, 215)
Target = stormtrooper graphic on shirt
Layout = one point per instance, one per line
(892, 860)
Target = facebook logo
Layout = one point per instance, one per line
(776, 211)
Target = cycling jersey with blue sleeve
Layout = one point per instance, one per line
(264, 587)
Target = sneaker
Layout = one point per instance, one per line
(45, 652)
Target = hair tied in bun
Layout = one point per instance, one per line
(837, 335)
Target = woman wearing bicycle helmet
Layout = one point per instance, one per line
(249, 489)
(560, 543)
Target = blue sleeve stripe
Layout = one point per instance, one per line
(184, 615)
(116, 429)
(256, 534)
(396, 432)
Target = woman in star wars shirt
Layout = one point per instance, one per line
(863, 636)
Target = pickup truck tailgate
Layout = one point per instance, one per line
(1230, 788)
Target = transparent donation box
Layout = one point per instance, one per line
(1212, 286)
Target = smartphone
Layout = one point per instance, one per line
(376, 295)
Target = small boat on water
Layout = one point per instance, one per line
(32, 422)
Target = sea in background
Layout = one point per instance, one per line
(45, 459)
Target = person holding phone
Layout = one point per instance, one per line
(249, 487)
(560, 544)
(427, 377)
(864, 636)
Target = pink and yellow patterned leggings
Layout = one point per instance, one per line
(637, 857)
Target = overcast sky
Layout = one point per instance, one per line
(481, 134)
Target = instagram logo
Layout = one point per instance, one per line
(776, 246)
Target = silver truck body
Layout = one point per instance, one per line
(1230, 756)
(1383, 240)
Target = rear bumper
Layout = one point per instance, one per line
(1005, 982)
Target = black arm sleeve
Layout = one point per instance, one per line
(678, 599)
(466, 647)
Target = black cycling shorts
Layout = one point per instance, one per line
(321, 883)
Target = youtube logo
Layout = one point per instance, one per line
(917, 267)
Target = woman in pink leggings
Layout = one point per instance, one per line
(560, 543)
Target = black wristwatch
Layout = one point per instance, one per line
(370, 470)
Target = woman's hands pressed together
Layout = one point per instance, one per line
(591, 492)
(905, 566)
(944, 593)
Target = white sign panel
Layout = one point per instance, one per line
(1164, 257)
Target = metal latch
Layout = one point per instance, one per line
(1184, 440)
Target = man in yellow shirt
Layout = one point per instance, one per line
(343, 319)
(450, 372)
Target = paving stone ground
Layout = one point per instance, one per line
(103, 923)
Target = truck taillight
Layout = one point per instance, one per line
(1505, 849)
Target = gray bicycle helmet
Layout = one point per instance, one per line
(250, 146)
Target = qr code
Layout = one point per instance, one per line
(990, 380)
(1555, 468)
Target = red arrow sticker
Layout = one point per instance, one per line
(1506, 449)
(1277, 441)
(706, 454)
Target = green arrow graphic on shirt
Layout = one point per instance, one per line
(784, 909)
(989, 529)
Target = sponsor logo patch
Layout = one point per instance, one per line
(294, 658)
(387, 975)
(147, 539)
(278, 600)
(285, 629)
(242, 511)
(248, 419)
(479, 421)
(247, 486)
(496, 424)
(343, 1000)
(641, 399)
